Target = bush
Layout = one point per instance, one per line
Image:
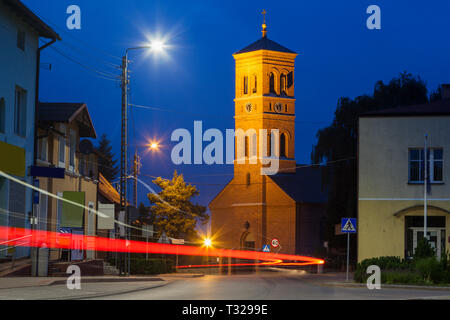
(151, 266)
(401, 277)
(424, 250)
(431, 270)
(385, 263)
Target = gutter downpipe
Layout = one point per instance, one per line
(34, 257)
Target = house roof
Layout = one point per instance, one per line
(265, 44)
(68, 112)
(107, 190)
(437, 108)
(32, 19)
(303, 186)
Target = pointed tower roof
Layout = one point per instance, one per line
(265, 44)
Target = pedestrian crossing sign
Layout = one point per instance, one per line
(266, 248)
(348, 225)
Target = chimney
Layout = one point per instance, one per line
(445, 91)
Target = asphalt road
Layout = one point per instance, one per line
(271, 286)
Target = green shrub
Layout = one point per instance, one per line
(151, 266)
(424, 250)
(401, 277)
(385, 263)
(431, 270)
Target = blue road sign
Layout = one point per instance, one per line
(266, 248)
(348, 225)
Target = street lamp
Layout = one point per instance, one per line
(157, 46)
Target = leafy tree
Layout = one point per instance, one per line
(172, 209)
(339, 141)
(107, 165)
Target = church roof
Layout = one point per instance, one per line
(265, 44)
(303, 186)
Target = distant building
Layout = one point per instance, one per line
(253, 208)
(391, 179)
(20, 31)
(61, 127)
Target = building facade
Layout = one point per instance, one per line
(61, 127)
(391, 179)
(20, 32)
(255, 208)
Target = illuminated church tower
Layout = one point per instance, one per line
(254, 208)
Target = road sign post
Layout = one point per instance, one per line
(348, 225)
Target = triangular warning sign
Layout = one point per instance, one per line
(349, 226)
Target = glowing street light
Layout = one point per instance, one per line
(207, 242)
(154, 146)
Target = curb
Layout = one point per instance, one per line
(111, 293)
(94, 280)
(389, 286)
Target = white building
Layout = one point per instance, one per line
(20, 31)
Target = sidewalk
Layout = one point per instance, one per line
(27, 282)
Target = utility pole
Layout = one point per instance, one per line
(136, 172)
(123, 149)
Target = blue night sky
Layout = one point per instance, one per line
(338, 56)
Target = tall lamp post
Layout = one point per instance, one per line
(156, 46)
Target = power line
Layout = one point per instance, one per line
(102, 74)
(205, 115)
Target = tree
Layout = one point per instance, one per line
(172, 209)
(107, 165)
(339, 142)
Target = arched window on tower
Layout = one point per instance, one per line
(272, 83)
(246, 146)
(245, 85)
(283, 84)
(269, 144)
(283, 145)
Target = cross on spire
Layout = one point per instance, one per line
(264, 26)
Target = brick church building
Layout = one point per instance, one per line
(255, 208)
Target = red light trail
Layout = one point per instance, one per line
(36, 238)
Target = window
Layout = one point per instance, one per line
(245, 85)
(246, 146)
(62, 147)
(272, 83)
(42, 149)
(20, 112)
(435, 165)
(255, 79)
(2, 115)
(72, 148)
(283, 145)
(247, 180)
(283, 84)
(21, 39)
